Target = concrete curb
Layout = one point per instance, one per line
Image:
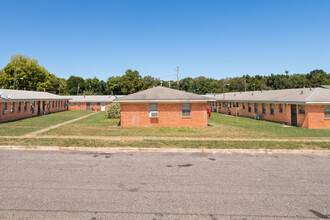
(162, 150)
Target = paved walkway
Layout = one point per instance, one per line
(164, 150)
(35, 133)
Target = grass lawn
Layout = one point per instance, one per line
(24, 126)
(222, 126)
(166, 143)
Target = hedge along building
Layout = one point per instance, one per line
(91, 102)
(306, 107)
(17, 104)
(163, 107)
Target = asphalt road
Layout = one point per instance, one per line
(68, 185)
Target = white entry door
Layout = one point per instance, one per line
(102, 106)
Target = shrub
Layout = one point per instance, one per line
(113, 110)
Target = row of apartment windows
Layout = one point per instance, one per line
(79, 104)
(185, 110)
(301, 108)
(32, 106)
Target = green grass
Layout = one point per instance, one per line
(222, 126)
(266, 128)
(23, 126)
(165, 144)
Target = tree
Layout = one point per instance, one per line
(115, 85)
(132, 82)
(75, 85)
(29, 75)
(149, 82)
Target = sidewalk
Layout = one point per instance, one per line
(164, 150)
(35, 133)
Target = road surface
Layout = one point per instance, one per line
(157, 186)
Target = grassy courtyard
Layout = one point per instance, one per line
(221, 126)
(27, 125)
(94, 130)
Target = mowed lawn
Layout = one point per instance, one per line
(27, 125)
(221, 126)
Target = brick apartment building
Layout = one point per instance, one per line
(163, 107)
(90, 102)
(305, 107)
(17, 104)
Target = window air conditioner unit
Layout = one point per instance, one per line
(153, 114)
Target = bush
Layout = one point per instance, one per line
(113, 110)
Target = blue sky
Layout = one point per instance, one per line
(212, 38)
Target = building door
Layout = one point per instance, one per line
(88, 106)
(294, 115)
(102, 106)
(38, 103)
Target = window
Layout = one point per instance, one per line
(4, 107)
(71, 104)
(301, 109)
(93, 104)
(230, 105)
(79, 104)
(19, 107)
(48, 105)
(186, 110)
(243, 105)
(280, 108)
(32, 106)
(61, 103)
(234, 104)
(153, 110)
(264, 108)
(216, 104)
(219, 105)
(224, 104)
(98, 103)
(272, 109)
(255, 107)
(12, 108)
(249, 107)
(25, 106)
(237, 105)
(327, 111)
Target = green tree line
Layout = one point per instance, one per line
(29, 75)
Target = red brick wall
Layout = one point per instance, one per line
(9, 116)
(137, 115)
(83, 106)
(313, 117)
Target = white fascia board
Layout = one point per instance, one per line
(158, 101)
(320, 103)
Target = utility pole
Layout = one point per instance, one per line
(178, 75)
(245, 84)
(78, 89)
(161, 83)
(14, 77)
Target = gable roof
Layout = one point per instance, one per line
(22, 95)
(93, 98)
(163, 94)
(302, 95)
